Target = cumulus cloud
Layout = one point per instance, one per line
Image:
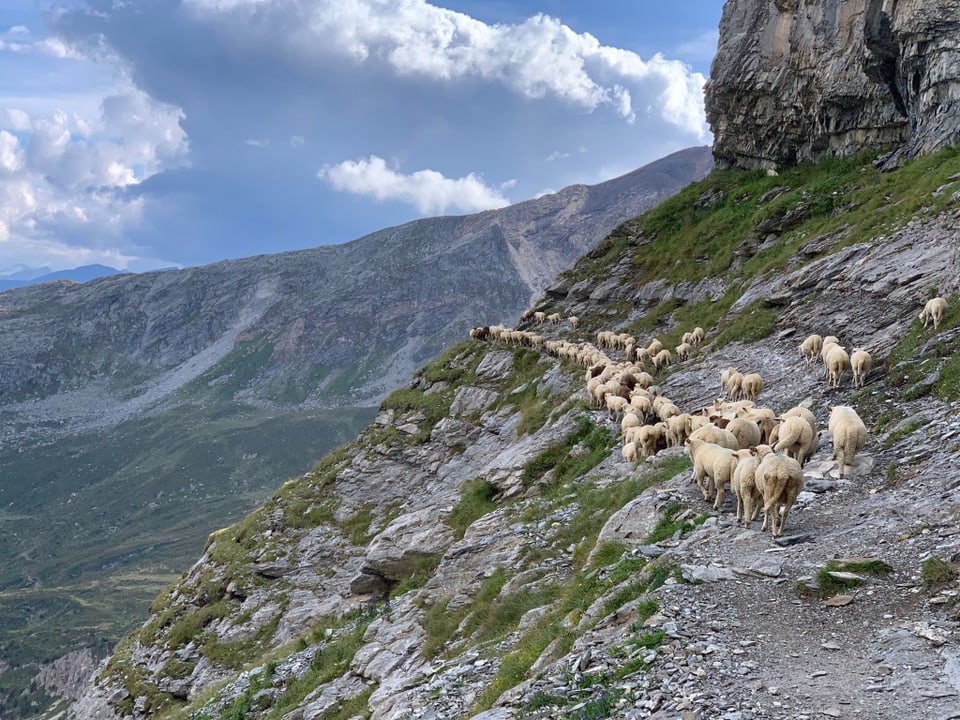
(427, 190)
(538, 58)
(62, 177)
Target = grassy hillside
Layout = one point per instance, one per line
(87, 544)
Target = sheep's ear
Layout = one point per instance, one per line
(753, 450)
(830, 408)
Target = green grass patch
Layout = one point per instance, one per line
(669, 524)
(476, 500)
(755, 322)
(830, 585)
(597, 442)
(937, 573)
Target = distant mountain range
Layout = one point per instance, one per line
(33, 276)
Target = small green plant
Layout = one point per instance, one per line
(669, 524)
(937, 573)
(476, 500)
(829, 585)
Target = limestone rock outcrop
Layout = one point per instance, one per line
(797, 80)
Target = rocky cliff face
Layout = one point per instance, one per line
(796, 80)
(484, 550)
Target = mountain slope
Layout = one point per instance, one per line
(483, 550)
(139, 412)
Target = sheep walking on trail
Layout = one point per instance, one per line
(934, 310)
(860, 363)
(744, 486)
(712, 462)
(751, 385)
(780, 481)
(849, 434)
(795, 438)
(810, 349)
(838, 363)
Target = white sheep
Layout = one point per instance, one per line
(746, 431)
(849, 434)
(751, 385)
(794, 439)
(718, 436)
(661, 360)
(574, 321)
(806, 414)
(630, 419)
(837, 363)
(649, 438)
(540, 317)
(654, 347)
(554, 318)
(629, 452)
(683, 350)
(860, 363)
(934, 310)
(712, 462)
(780, 480)
(810, 348)
(744, 486)
(697, 335)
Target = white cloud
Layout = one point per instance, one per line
(19, 30)
(297, 141)
(428, 190)
(253, 142)
(538, 58)
(61, 177)
(14, 119)
(11, 156)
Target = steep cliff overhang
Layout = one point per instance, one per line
(797, 80)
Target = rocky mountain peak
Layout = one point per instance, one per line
(798, 80)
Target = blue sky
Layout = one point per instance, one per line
(151, 133)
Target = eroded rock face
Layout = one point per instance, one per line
(796, 80)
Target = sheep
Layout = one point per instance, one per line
(642, 355)
(828, 343)
(540, 317)
(810, 348)
(734, 382)
(714, 462)
(718, 436)
(574, 321)
(765, 420)
(744, 486)
(654, 347)
(849, 434)
(697, 335)
(554, 318)
(630, 419)
(687, 338)
(629, 452)
(649, 438)
(933, 310)
(745, 431)
(527, 315)
(806, 414)
(642, 404)
(683, 351)
(794, 439)
(837, 362)
(661, 360)
(678, 429)
(751, 385)
(860, 363)
(780, 480)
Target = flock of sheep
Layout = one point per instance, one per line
(732, 442)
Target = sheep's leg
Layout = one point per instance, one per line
(748, 510)
(720, 482)
(783, 520)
